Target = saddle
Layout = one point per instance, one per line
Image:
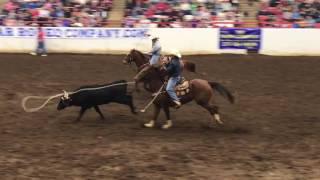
(183, 87)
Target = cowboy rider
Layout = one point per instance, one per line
(155, 52)
(173, 67)
(154, 61)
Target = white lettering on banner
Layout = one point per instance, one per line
(71, 32)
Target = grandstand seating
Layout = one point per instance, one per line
(285, 13)
(182, 13)
(162, 13)
(81, 13)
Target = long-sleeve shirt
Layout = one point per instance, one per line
(40, 35)
(156, 49)
(173, 67)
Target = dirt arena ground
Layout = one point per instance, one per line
(272, 132)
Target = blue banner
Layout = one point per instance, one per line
(240, 38)
(72, 32)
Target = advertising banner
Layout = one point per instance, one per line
(240, 38)
(73, 32)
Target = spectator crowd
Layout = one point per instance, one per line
(59, 13)
(289, 13)
(160, 13)
(181, 13)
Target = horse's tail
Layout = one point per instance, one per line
(189, 66)
(223, 91)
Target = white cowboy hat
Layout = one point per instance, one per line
(154, 37)
(175, 53)
(149, 35)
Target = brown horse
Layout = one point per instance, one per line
(200, 90)
(144, 59)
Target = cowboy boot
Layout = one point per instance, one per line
(177, 104)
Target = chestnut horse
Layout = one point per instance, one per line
(200, 90)
(144, 59)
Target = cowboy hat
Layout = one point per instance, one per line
(175, 52)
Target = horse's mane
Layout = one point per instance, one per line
(142, 55)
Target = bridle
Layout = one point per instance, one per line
(129, 61)
(130, 58)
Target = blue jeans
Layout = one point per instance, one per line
(170, 87)
(41, 49)
(154, 59)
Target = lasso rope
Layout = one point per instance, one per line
(154, 98)
(25, 99)
(49, 98)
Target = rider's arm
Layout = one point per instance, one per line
(169, 67)
(155, 48)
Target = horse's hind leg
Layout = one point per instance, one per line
(156, 112)
(168, 123)
(213, 110)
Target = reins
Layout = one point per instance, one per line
(49, 98)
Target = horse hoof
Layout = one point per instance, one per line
(167, 125)
(149, 124)
(217, 118)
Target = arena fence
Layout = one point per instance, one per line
(188, 40)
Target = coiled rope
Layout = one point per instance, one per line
(49, 98)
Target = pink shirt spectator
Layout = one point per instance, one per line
(47, 5)
(34, 12)
(161, 5)
(150, 11)
(9, 6)
(40, 34)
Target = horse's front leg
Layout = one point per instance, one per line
(156, 112)
(168, 123)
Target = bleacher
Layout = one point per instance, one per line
(78, 13)
(289, 14)
(161, 13)
(183, 13)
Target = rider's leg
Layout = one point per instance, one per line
(170, 90)
(154, 61)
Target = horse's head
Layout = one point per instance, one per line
(129, 57)
(135, 56)
(65, 101)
